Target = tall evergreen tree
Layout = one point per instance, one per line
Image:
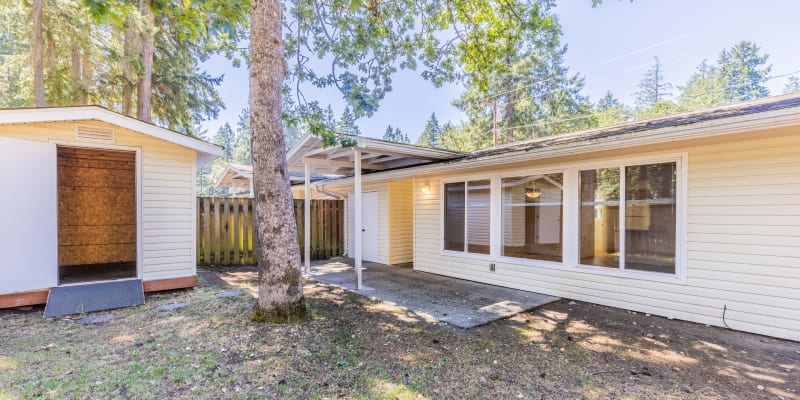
(652, 88)
(704, 89)
(792, 85)
(530, 93)
(609, 111)
(241, 146)
(431, 135)
(744, 71)
(395, 135)
(140, 57)
(226, 138)
(347, 123)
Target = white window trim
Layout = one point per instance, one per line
(532, 261)
(442, 200)
(570, 230)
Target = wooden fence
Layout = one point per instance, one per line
(225, 230)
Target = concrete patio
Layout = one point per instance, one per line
(458, 302)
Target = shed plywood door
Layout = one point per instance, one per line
(28, 224)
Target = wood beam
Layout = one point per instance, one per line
(343, 164)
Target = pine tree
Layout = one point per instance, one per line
(609, 111)
(347, 123)
(389, 134)
(744, 72)
(432, 133)
(241, 147)
(652, 88)
(792, 86)
(705, 88)
(226, 138)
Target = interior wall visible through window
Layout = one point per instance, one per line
(532, 215)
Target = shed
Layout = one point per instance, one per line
(91, 196)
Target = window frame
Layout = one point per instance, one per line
(681, 198)
(570, 224)
(564, 203)
(443, 203)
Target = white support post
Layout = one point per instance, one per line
(307, 218)
(357, 223)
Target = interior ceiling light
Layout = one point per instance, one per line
(532, 192)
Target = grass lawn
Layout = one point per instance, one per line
(353, 347)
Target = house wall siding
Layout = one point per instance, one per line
(400, 231)
(743, 243)
(168, 193)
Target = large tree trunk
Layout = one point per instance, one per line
(75, 75)
(86, 74)
(37, 48)
(144, 104)
(280, 286)
(129, 52)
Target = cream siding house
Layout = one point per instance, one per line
(124, 206)
(694, 216)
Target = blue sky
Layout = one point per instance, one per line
(611, 46)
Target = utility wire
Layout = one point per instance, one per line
(595, 64)
(585, 116)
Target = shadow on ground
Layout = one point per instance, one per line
(355, 347)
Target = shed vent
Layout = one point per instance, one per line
(97, 133)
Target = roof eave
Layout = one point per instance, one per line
(712, 128)
(207, 152)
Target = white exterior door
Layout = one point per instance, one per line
(28, 216)
(369, 226)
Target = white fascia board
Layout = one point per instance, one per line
(713, 128)
(207, 152)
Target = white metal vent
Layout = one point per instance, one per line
(96, 133)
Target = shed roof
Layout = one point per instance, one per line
(206, 152)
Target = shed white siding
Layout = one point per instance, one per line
(743, 242)
(168, 192)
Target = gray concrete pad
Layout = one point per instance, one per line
(458, 302)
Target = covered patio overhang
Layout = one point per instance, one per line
(360, 155)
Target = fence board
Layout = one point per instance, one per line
(225, 230)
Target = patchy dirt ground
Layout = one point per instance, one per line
(353, 347)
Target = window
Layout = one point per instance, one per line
(650, 217)
(599, 217)
(467, 216)
(532, 214)
(617, 219)
(454, 216)
(643, 238)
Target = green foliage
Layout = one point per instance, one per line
(366, 43)
(705, 88)
(660, 109)
(225, 138)
(92, 55)
(609, 111)
(533, 92)
(395, 135)
(242, 153)
(792, 86)
(652, 88)
(347, 123)
(744, 71)
(431, 136)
